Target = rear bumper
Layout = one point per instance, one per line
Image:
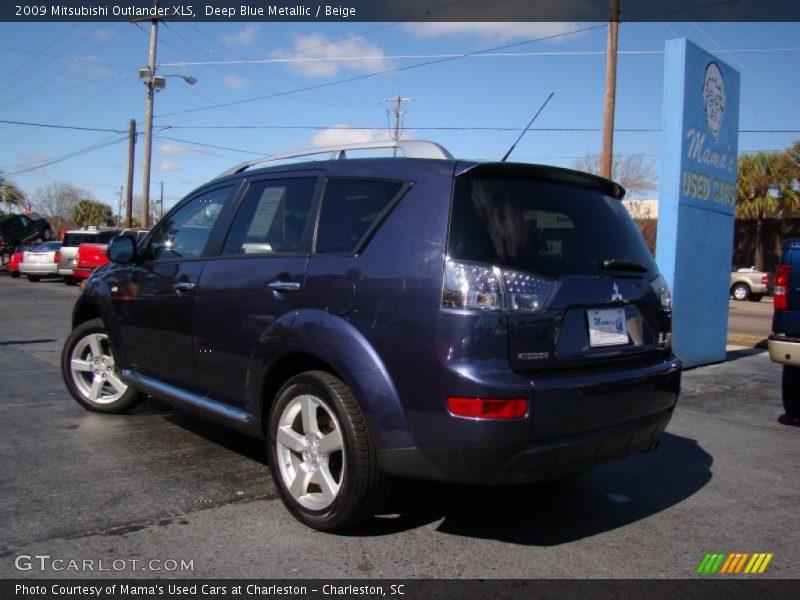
(537, 461)
(38, 269)
(574, 423)
(82, 273)
(784, 350)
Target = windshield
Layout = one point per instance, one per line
(551, 229)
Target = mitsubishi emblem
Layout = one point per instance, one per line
(616, 296)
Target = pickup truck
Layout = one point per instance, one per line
(93, 254)
(784, 343)
(749, 284)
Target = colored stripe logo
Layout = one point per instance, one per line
(731, 564)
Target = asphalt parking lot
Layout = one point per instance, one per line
(159, 485)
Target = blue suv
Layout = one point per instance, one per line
(784, 343)
(415, 316)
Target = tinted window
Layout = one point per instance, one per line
(184, 233)
(76, 239)
(106, 236)
(48, 246)
(547, 228)
(272, 217)
(350, 208)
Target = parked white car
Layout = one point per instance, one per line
(41, 260)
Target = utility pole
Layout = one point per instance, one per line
(607, 154)
(121, 193)
(148, 119)
(161, 202)
(396, 109)
(131, 158)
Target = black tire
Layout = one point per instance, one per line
(740, 291)
(113, 396)
(791, 391)
(362, 487)
(755, 297)
(15, 275)
(34, 278)
(46, 235)
(70, 280)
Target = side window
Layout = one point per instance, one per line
(272, 217)
(184, 233)
(349, 209)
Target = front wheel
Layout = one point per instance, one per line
(740, 292)
(791, 391)
(320, 453)
(34, 278)
(90, 371)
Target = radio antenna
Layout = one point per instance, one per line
(524, 131)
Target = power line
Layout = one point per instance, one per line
(71, 127)
(386, 71)
(211, 63)
(91, 148)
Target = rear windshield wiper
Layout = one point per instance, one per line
(613, 264)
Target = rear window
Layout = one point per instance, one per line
(547, 228)
(97, 237)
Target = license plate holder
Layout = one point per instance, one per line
(607, 327)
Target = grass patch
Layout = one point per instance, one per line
(748, 341)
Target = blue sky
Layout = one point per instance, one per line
(85, 75)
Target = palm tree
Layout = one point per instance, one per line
(765, 189)
(10, 193)
(88, 213)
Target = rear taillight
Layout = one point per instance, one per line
(57, 257)
(765, 280)
(487, 408)
(482, 287)
(781, 297)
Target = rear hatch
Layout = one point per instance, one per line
(579, 287)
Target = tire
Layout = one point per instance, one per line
(791, 391)
(91, 374)
(34, 278)
(337, 481)
(46, 235)
(15, 275)
(70, 280)
(755, 297)
(740, 291)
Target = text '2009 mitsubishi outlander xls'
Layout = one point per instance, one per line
(420, 316)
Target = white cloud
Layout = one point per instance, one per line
(245, 36)
(355, 53)
(104, 34)
(235, 83)
(496, 32)
(335, 136)
(167, 149)
(166, 166)
(33, 157)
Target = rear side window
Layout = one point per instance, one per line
(272, 217)
(547, 228)
(76, 239)
(104, 237)
(350, 209)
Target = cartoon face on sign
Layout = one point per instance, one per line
(714, 98)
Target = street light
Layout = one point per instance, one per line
(154, 83)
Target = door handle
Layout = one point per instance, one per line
(284, 286)
(183, 286)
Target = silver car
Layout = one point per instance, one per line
(41, 260)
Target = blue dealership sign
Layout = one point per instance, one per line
(697, 201)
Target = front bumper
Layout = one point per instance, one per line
(784, 350)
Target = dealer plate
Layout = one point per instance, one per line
(607, 327)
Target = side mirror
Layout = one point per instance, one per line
(122, 250)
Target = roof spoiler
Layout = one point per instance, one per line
(501, 170)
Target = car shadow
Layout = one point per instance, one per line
(542, 514)
(785, 419)
(549, 514)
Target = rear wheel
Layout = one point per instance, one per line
(320, 453)
(70, 280)
(755, 297)
(791, 391)
(46, 235)
(34, 278)
(15, 274)
(91, 373)
(740, 292)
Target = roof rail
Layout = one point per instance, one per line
(410, 149)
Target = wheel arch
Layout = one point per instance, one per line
(319, 341)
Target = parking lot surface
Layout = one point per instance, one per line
(158, 485)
